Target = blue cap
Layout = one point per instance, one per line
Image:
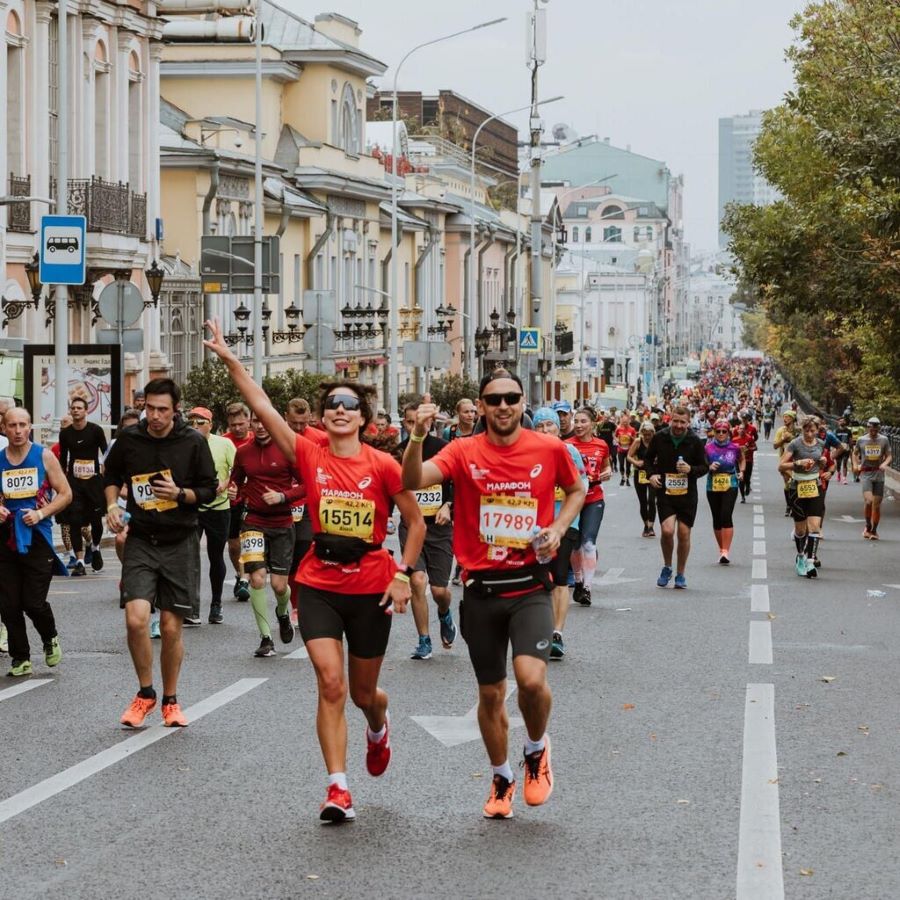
(545, 414)
(562, 406)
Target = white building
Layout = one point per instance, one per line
(113, 78)
(715, 323)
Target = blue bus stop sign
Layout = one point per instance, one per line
(63, 252)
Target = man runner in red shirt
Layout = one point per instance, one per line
(504, 484)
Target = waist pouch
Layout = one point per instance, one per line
(492, 583)
(341, 549)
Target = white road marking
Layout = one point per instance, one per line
(454, 730)
(759, 597)
(612, 577)
(302, 653)
(22, 688)
(761, 643)
(759, 871)
(759, 548)
(760, 569)
(759, 533)
(759, 520)
(758, 509)
(62, 781)
(757, 497)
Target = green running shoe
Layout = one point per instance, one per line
(19, 668)
(52, 652)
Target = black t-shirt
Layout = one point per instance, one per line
(80, 447)
(431, 446)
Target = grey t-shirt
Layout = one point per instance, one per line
(799, 449)
(872, 451)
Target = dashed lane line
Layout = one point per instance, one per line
(759, 548)
(56, 784)
(760, 644)
(759, 870)
(759, 598)
(760, 570)
(17, 689)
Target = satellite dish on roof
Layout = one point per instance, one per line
(565, 134)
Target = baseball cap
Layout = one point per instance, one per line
(874, 421)
(545, 414)
(654, 417)
(200, 412)
(562, 406)
(791, 413)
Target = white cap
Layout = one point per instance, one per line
(874, 421)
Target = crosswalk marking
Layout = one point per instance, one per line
(25, 686)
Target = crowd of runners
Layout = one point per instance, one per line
(303, 499)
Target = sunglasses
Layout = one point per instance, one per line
(721, 431)
(512, 398)
(349, 402)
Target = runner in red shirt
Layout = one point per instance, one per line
(624, 435)
(348, 584)
(595, 453)
(504, 503)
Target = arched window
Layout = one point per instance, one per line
(348, 133)
(587, 234)
(611, 211)
(574, 234)
(15, 96)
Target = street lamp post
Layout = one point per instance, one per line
(393, 387)
(469, 336)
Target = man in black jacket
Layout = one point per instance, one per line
(170, 472)
(675, 459)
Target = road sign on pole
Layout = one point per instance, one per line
(63, 252)
(529, 340)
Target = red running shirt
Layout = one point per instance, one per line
(501, 494)
(595, 453)
(625, 434)
(349, 496)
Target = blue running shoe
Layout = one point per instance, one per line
(680, 582)
(71, 563)
(423, 650)
(448, 629)
(664, 576)
(800, 565)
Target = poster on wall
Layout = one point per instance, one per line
(95, 375)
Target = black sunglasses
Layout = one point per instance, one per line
(722, 431)
(512, 398)
(350, 402)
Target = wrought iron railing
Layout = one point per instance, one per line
(18, 217)
(108, 206)
(565, 342)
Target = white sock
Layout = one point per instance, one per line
(376, 736)
(338, 778)
(504, 771)
(533, 746)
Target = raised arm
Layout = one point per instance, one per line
(418, 474)
(256, 397)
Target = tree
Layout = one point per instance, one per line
(824, 261)
(210, 385)
(448, 390)
(291, 383)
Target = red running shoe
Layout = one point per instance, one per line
(378, 753)
(338, 806)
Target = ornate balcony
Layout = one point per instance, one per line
(108, 206)
(19, 214)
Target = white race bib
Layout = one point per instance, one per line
(253, 546)
(430, 499)
(84, 468)
(18, 484)
(676, 484)
(872, 452)
(297, 512)
(142, 492)
(507, 521)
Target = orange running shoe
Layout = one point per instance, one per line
(499, 803)
(538, 776)
(173, 716)
(338, 806)
(140, 708)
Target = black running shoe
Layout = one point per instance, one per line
(581, 594)
(97, 560)
(285, 628)
(215, 614)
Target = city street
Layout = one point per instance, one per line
(738, 739)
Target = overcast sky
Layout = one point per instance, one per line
(655, 74)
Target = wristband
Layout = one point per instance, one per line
(40, 513)
(415, 439)
(401, 577)
(111, 507)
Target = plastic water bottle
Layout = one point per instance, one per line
(538, 541)
(126, 516)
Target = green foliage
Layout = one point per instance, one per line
(209, 385)
(292, 383)
(824, 261)
(448, 390)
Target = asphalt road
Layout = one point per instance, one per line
(738, 739)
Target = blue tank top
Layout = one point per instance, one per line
(20, 486)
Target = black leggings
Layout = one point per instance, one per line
(721, 505)
(624, 464)
(745, 481)
(647, 500)
(96, 523)
(26, 581)
(215, 522)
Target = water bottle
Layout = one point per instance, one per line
(537, 542)
(126, 516)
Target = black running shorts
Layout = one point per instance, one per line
(168, 575)
(559, 568)
(684, 510)
(802, 508)
(234, 526)
(490, 624)
(279, 552)
(436, 558)
(325, 614)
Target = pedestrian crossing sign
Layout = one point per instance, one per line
(529, 340)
